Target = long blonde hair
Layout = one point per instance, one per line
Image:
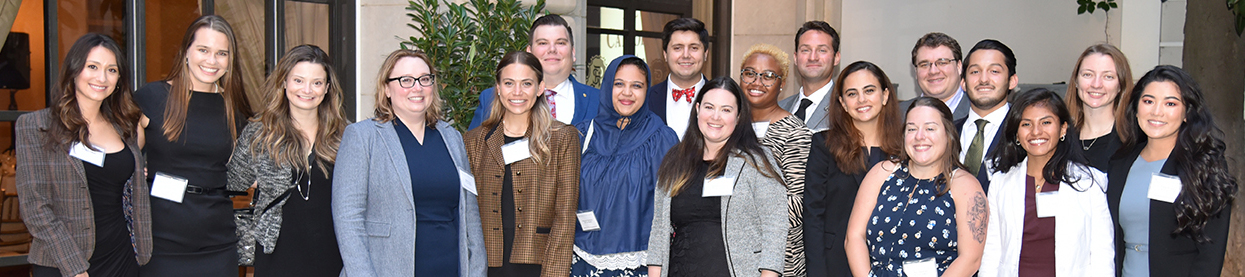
(384, 106)
(540, 120)
(278, 137)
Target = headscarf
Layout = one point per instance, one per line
(618, 173)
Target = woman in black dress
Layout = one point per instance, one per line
(1096, 96)
(81, 186)
(195, 115)
(288, 152)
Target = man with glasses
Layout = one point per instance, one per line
(685, 43)
(936, 57)
(816, 56)
(569, 101)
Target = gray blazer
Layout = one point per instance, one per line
(754, 220)
(374, 208)
(820, 119)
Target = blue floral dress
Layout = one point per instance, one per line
(911, 222)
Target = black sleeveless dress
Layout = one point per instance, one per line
(114, 249)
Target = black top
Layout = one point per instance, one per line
(114, 251)
(436, 201)
(307, 245)
(1099, 150)
(829, 195)
(202, 222)
(508, 222)
(697, 247)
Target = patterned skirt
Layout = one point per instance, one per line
(613, 265)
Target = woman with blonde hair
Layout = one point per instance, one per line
(1097, 93)
(288, 151)
(403, 202)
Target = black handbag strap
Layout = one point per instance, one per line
(284, 195)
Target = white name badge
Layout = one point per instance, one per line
(588, 221)
(80, 151)
(921, 268)
(1048, 203)
(1164, 187)
(169, 187)
(468, 182)
(721, 186)
(515, 151)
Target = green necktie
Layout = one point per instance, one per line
(973, 158)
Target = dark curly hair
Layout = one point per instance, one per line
(1208, 187)
(1009, 154)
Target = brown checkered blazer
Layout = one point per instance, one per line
(55, 202)
(545, 199)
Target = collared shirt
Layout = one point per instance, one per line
(565, 99)
(955, 99)
(678, 112)
(817, 96)
(995, 119)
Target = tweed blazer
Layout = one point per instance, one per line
(56, 204)
(754, 221)
(271, 181)
(545, 198)
(374, 208)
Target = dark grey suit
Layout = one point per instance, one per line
(819, 119)
(960, 112)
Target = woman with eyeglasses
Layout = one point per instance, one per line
(785, 135)
(527, 170)
(404, 203)
(863, 113)
(288, 151)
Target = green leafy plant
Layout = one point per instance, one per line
(1091, 5)
(464, 42)
(1238, 9)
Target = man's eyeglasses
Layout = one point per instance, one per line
(768, 78)
(426, 80)
(939, 63)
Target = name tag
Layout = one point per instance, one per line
(468, 182)
(1048, 203)
(721, 186)
(921, 268)
(168, 187)
(515, 151)
(80, 151)
(1164, 187)
(588, 221)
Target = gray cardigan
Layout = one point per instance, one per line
(754, 222)
(374, 208)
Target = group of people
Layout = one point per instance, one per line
(557, 178)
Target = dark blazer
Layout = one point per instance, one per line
(960, 112)
(983, 174)
(656, 98)
(829, 195)
(545, 213)
(56, 205)
(1170, 255)
(587, 99)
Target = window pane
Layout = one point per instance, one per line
(652, 21)
(652, 54)
(306, 23)
(76, 18)
(166, 24)
(247, 19)
(611, 18)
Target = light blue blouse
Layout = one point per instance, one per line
(1135, 217)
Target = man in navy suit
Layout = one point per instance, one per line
(989, 76)
(816, 56)
(684, 46)
(570, 101)
(937, 60)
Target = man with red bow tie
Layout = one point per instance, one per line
(685, 45)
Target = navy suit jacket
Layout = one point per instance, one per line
(983, 175)
(656, 98)
(587, 100)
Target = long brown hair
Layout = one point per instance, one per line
(540, 125)
(234, 91)
(118, 108)
(683, 161)
(846, 142)
(1123, 74)
(384, 105)
(279, 138)
(950, 160)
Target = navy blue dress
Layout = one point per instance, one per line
(910, 222)
(434, 184)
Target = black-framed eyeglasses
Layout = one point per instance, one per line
(943, 62)
(768, 78)
(426, 80)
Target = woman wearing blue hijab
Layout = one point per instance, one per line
(623, 147)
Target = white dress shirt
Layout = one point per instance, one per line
(955, 100)
(992, 127)
(817, 96)
(565, 99)
(678, 112)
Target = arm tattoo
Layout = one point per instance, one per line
(977, 217)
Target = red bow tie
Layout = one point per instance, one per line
(690, 92)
